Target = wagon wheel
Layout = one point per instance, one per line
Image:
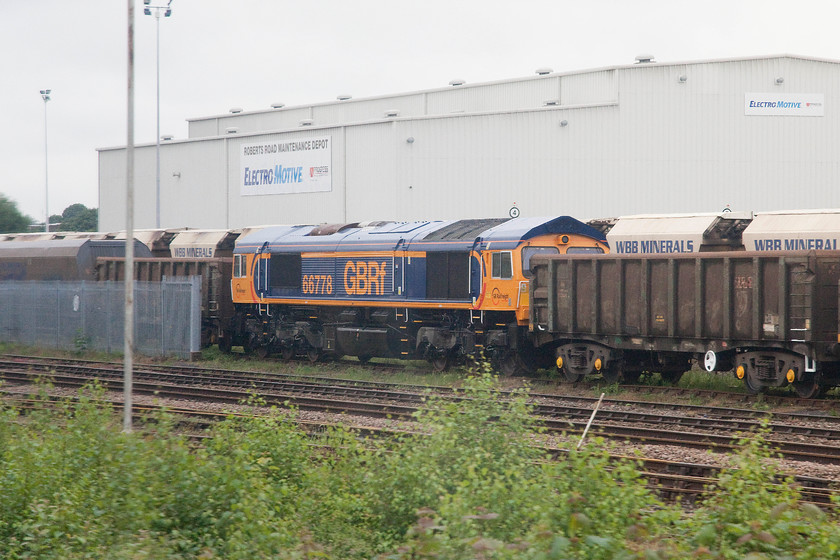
(808, 388)
(632, 376)
(225, 344)
(753, 385)
(571, 377)
(313, 354)
(261, 352)
(441, 362)
(672, 377)
(364, 358)
(288, 353)
(613, 373)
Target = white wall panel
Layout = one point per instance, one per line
(352, 111)
(192, 186)
(502, 96)
(588, 88)
(373, 192)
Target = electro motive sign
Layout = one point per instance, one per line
(784, 104)
(294, 166)
(348, 277)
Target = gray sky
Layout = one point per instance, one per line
(250, 53)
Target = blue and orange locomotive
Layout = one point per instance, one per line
(439, 290)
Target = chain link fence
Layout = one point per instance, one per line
(91, 315)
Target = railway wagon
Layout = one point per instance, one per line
(216, 302)
(59, 259)
(772, 316)
(434, 290)
(183, 253)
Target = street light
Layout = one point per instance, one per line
(167, 11)
(45, 95)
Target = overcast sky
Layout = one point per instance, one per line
(250, 53)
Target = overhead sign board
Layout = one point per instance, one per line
(784, 104)
(286, 167)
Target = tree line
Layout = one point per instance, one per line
(76, 217)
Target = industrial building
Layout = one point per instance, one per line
(751, 134)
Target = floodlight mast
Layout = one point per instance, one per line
(45, 95)
(167, 11)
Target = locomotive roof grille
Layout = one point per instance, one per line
(465, 229)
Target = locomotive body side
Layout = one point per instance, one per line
(773, 317)
(437, 290)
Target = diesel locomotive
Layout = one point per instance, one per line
(436, 290)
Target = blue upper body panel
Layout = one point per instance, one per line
(452, 235)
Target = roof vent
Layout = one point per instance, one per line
(231, 130)
(277, 105)
(392, 112)
(166, 137)
(551, 102)
(344, 96)
(457, 82)
(544, 70)
(235, 110)
(644, 59)
(306, 122)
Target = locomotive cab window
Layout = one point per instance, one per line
(501, 265)
(528, 252)
(239, 266)
(581, 250)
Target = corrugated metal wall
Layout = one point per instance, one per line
(635, 139)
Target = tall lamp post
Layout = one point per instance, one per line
(167, 11)
(45, 95)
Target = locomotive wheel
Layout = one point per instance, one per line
(510, 364)
(261, 352)
(313, 355)
(225, 344)
(807, 389)
(288, 353)
(441, 363)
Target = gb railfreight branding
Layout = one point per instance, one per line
(295, 166)
(353, 277)
(784, 104)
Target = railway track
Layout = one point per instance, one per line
(700, 429)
